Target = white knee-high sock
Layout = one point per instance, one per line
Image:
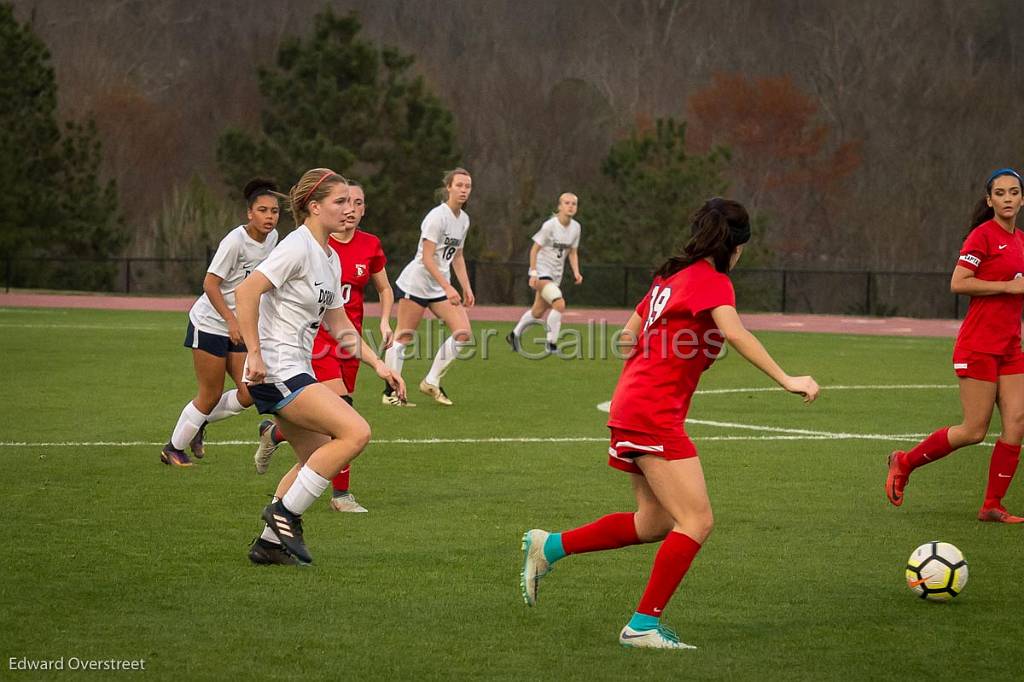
(189, 423)
(554, 325)
(308, 486)
(525, 321)
(227, 407)
(446, 354)
(394, 357)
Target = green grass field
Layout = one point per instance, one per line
(110, 554)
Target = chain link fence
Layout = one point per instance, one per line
(908, 294)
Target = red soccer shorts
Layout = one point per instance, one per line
(626, 445)
(327, 365)
(969, 364)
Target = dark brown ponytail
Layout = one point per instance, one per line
(718, 227)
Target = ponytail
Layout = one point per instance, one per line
(982, 213)
(718, 227)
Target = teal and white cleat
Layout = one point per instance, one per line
(660, 637)
(535, 564)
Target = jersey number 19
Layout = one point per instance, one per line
(659, 299)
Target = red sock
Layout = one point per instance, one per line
(340, 481)
(277, 436)
(1001, 469)
(608, 532)
(670, 565)
(932, 448)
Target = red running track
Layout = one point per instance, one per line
(828, 324)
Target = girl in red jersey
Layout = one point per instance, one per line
(678, 329)
(362, 262)
(987, 356)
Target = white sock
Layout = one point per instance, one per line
(554, 325)
(394, 357)
(189, 423)
(227, 407)
(446, 354)
(269, 535)
(308, 486)
(525, 321)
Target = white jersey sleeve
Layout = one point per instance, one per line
(227, 255)
(285, 262)
(236, 257)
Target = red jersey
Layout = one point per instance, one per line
(677, 343)
(992, 324)
(361, 257)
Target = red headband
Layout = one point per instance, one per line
(305, 200)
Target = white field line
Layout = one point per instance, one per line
(107, 327)
(393, 441)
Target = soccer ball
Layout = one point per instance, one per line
(936, 571)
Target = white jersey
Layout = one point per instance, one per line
(448, 233)
(307, 282)
(555, 240)
(237, 256)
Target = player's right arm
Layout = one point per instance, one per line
(211, 287)
(964, 282)
(534, 250)
(746, 344)
(247, 307)
(429, 249)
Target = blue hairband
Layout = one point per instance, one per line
(999, 172)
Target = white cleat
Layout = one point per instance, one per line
(660, 637)
(535, 565)
(347, 503)
(267, 447)
(435, 392)
(393, 400)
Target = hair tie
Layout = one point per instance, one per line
(305, 200)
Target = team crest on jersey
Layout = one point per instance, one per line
(360, 269)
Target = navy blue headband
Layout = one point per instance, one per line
(999, 172)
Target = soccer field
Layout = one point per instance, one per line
(111, 555)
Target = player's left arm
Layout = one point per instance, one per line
(387, 302)
(746, 344)
(459, 266)
(574, 263)
(349, 339)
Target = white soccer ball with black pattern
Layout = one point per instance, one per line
(937, 571)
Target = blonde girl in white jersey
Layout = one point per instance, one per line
(426, 283)
(213, 333)
(558, 239)
(280, 308)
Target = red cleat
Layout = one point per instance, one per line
(896, 481)
(998, 515)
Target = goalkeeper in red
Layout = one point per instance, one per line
(678, 331)
(987, 356)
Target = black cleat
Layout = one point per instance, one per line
(552, 348)
(513, 341)
(288, 527)
(196, 445)
(264, 553)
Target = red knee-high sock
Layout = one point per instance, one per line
(670, 565)
(340, 482)
(932, 448)
(608, 532)
(1001, 469)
